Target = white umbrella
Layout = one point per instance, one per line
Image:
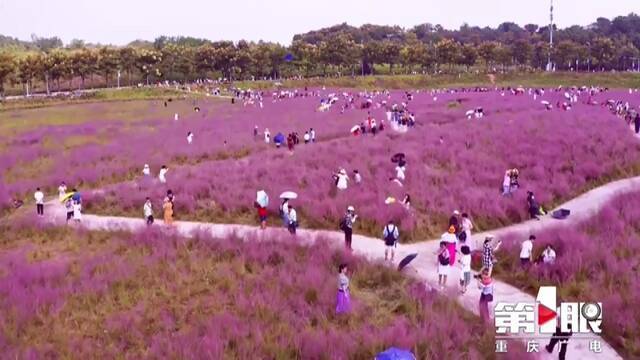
(262, 198)
(544, 102)
(470, 112)
(355, 128)
(288, 195)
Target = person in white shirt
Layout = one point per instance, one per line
(312, 133)
(175, 117)
(549, 255)
(307, 137)
(526, 251)
(162, 175)
(39, 197)
(342, 179)
(400, 172)
(148, 211)
(465, 268)
(77, 211)
(146, 171)
(267, 136)
(62, 190)
(293, 220)
(189, 137)
(506, 183)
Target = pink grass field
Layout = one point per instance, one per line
(148, 295)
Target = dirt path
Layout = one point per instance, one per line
(423, 267)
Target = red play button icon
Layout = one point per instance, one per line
(545, 314)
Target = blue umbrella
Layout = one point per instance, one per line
(76, 197)
(395, 354)
(279, 138)
(288, 57)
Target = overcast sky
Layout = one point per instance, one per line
(121, 21)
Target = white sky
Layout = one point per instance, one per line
(121, 21)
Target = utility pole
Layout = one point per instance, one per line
(549, 65)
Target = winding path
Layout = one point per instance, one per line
(423, 267)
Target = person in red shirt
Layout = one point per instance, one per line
(262, 214)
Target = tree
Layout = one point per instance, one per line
(602, 50)
(128, 57)
(487, 51)
(469, 55)
(60, 66)
(46, 44)
(565, 54)
(448, 52)
(108, 62)
(522, 51)
(83, 63)
(147, 62)
(28, 68)
(390, 53)
(7, 67)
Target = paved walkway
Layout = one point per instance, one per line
(423, 267)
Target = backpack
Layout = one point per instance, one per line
(390, 238)
(343, 224)
(443, 260)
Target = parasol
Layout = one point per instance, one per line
(398, 157)
(395, 354)
(279, 138)
(390, 200)
(288, 195)
(262, 198)
(355, 128)
(66, 197)
(404, 262)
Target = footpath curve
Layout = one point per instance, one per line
(424, 267)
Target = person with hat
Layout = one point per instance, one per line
(450, 239)
(390, 236)
(488, 253)
(342, 179)
(347, 226)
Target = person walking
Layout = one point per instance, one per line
(465, 268)
(293, 220)
(146, 170)
(342, 179)
(306, 137)
(39, 197)
(148, 211)
(488, 254)
(357, 177)
(343, 300)
(167, 207)
(526, 251)
(636, 123)
(444, 260)
(485, 284)
(390, 236)
(347, 226)
(255, 132)
(312, 133)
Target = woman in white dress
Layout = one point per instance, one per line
(342, 180)
(62, 190)
(162, 175)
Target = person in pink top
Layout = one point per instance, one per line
(450, 238)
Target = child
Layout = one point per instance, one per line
(68, 205)
(62, 190)
(293, 220)
(465, 268)
(357, 177)
(189, 137)
(443, 265)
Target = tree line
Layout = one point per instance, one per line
(337, 50)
